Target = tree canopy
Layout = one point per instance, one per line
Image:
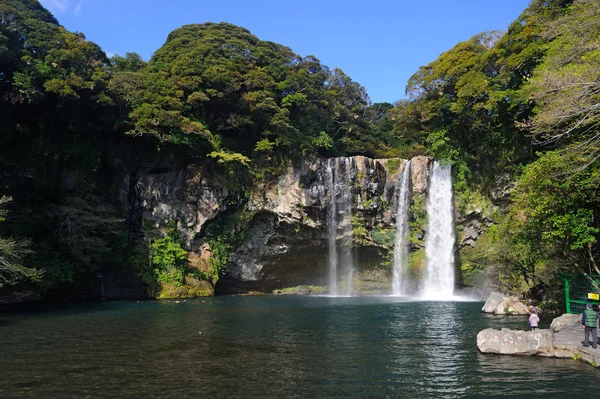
(219, 89)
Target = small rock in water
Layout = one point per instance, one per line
(177, 301)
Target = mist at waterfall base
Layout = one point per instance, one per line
(271, 347)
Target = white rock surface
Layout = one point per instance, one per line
(565, 321)
(498, 303)
(510, 342)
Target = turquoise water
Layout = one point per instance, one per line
(270, 347)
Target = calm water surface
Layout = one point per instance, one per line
(271, 347)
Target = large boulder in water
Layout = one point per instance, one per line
(566, 321)
(510, 342)
(498, 303)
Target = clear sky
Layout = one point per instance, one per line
(379, 44)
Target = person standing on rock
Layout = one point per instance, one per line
(589, 319)
(534, 319)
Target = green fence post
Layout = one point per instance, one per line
(567, 302)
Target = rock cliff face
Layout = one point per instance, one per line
(285, 242)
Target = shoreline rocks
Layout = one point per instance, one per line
(500, 304)
(511, 342)
(566, 321)
(565, 342)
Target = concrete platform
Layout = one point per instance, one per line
(567, 343)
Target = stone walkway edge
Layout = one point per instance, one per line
(563, 340)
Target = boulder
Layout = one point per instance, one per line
(510, 342)
(566, 321)
(420, 169)
(498, 303)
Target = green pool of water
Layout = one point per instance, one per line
(271, 347)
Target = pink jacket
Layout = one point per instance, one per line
(533, 320)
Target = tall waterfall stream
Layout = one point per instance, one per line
(438, 279)
(400, 267)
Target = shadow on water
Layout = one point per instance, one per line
(10, 314)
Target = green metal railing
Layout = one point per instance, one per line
(580, 290)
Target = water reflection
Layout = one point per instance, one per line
(271, 347)
(444, 357)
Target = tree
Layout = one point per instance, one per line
(12, 255)
(132, 62)
(566, 87)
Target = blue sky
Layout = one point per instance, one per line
(379, 44)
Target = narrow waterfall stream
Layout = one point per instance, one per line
(332, 227)
(345, 209)
(400, 270)
(438, 279)
(339, 222)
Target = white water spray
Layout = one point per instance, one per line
(400, 271)
(438, 280)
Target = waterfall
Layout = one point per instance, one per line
(332, 227)
(438, 280)
(402, 227)
(346, 211)
(339, 220)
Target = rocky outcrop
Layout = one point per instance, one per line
(510, 342)
(287, 242)
(498, 303)
(286, 239)
(502, 188)
(191, 196)
(566, 321)
(471, 233)
(420, 171)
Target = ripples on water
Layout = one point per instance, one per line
(299, 347)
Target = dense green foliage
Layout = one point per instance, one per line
(56, 118)
(223, 92)
(73, 122)
(522, 104)
(480, 104)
